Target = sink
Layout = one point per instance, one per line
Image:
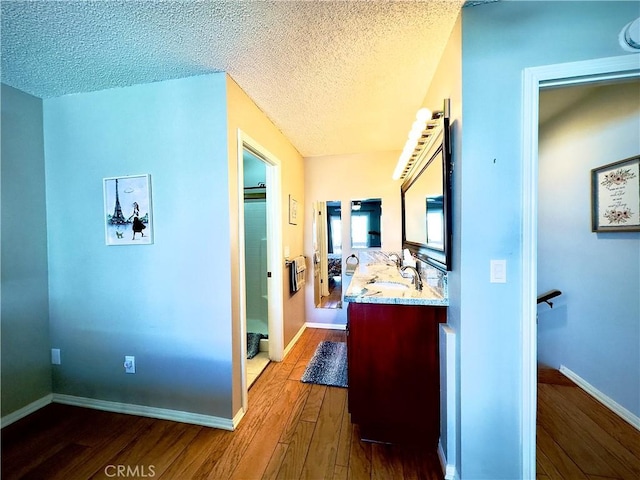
(390, 285)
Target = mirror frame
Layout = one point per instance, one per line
(439, 258)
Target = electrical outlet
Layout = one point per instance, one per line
(129, 364)
(55, 356)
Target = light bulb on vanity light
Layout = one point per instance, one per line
(402, 162)
(414, 136)
(408, 149)
(423, 115)
(418, 126)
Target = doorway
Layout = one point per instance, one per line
(535, 79)
(260, 266)
(255, 264)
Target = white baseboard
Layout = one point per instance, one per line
(449, 471)
(144, 411)
(330, 326)
(26, 410)
(237, 418)
(608, 402)
(293, 341)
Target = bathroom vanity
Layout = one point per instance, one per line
(393, 358)
(393, 322)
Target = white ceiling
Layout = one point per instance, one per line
(335, 77)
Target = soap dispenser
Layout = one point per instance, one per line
(408, 260)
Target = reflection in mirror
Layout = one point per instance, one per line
(327, 257)
(365, 223)
(435, 222)
(423, 206)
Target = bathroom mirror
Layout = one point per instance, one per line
(366, 216)
(426, 201)
(327, 257)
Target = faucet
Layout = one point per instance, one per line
(417, 281)
(395, 258)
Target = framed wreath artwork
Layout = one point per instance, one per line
(615, 197)
(127, 210)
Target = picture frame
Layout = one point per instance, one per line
(615, 196)
(293, 211)
(128, 218)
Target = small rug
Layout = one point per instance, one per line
(328, 365)
(253, 344)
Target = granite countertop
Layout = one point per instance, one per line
(383, 283)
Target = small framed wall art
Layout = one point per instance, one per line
(293, 211)
(615, 197)
(127, 210)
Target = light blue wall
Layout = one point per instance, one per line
(26, 369)
(594, 327)
(499, 40)
(168, 304)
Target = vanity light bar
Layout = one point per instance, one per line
(416, 144)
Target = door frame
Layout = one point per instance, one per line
(275, 289)
(323, 247)
(534, 79)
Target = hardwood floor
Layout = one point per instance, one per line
(579, 438)
(292, 430)
(298, 431)
(334, 299)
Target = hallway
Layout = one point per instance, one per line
(579, 438)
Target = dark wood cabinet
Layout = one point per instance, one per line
(394, 374)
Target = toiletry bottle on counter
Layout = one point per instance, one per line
(408, 260)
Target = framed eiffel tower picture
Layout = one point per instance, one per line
(127, 210)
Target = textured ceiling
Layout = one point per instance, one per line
(335, 77)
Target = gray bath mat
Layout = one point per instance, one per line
(253, 344)
(328, 365)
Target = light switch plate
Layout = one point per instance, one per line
(55, 356)
(498, 271)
